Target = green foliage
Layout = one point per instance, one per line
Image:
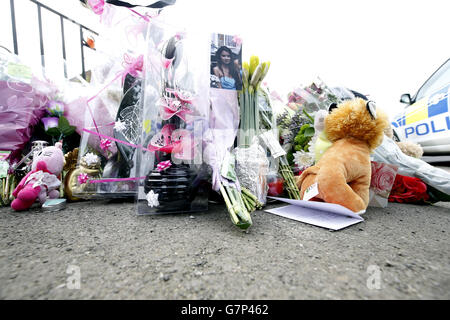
(303, 137)
(64, 126)
(64, 129)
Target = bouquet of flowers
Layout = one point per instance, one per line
(24, 100)
(251, 159)
(174, 116)
(416, 181)
(299, 130)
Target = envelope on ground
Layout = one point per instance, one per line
(322, 214)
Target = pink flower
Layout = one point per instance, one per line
(82, 178)
(56, 108)
(50, 122)
(177, 105)
(179, 142)
(162, 141)
(383, 177)
(105, 144)
(167, 62)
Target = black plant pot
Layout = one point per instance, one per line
(174, 187)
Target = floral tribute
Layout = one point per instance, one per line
(170, 114)
(408, 190)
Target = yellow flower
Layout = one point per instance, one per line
(254, 81)
(254, 62)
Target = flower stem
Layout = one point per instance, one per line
(233, 216)
(288, 176)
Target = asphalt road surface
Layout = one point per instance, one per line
(103, 250)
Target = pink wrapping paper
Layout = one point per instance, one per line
(21, 108)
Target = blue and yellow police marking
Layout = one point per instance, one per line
(435, 105)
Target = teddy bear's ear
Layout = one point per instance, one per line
(372, 109)
(58, 145)
(332, 106)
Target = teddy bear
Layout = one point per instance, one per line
(342, 175)
(42, 181)
(407, 147)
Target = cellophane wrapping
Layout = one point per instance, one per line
(175, 115)
(23, 102)
(107, 115)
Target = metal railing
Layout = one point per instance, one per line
(62, 17)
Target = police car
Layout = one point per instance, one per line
(426, 119)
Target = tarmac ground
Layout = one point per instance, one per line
(104, 250)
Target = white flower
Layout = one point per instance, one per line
(303, 159)
(152, 199)
(119, 126)
(91, 158)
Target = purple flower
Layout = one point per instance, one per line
(56, 108)
(50, 122)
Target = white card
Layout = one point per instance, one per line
(311, 192)
(327, 215)
(272, 143)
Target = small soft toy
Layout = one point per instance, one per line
(407, 147)
(343, 172)
(42, 181)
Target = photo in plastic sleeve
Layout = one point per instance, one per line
(226, 62)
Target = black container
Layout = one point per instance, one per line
(179, 189)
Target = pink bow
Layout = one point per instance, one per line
(82, 178)
(105, 144)
(163, 165)
(132, 65)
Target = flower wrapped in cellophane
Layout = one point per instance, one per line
(24, 97)
(252, 164)
(174, 117)
(297, 123)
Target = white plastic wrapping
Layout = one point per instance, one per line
(389, 152)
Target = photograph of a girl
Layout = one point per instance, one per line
(226, 68)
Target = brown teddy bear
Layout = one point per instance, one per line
(343, 173)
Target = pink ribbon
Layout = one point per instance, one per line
(116, 180)
(114, 139)
(132, 66)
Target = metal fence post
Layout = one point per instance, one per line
(13, 22)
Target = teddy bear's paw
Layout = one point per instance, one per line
(29, 194)
(19, 205)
